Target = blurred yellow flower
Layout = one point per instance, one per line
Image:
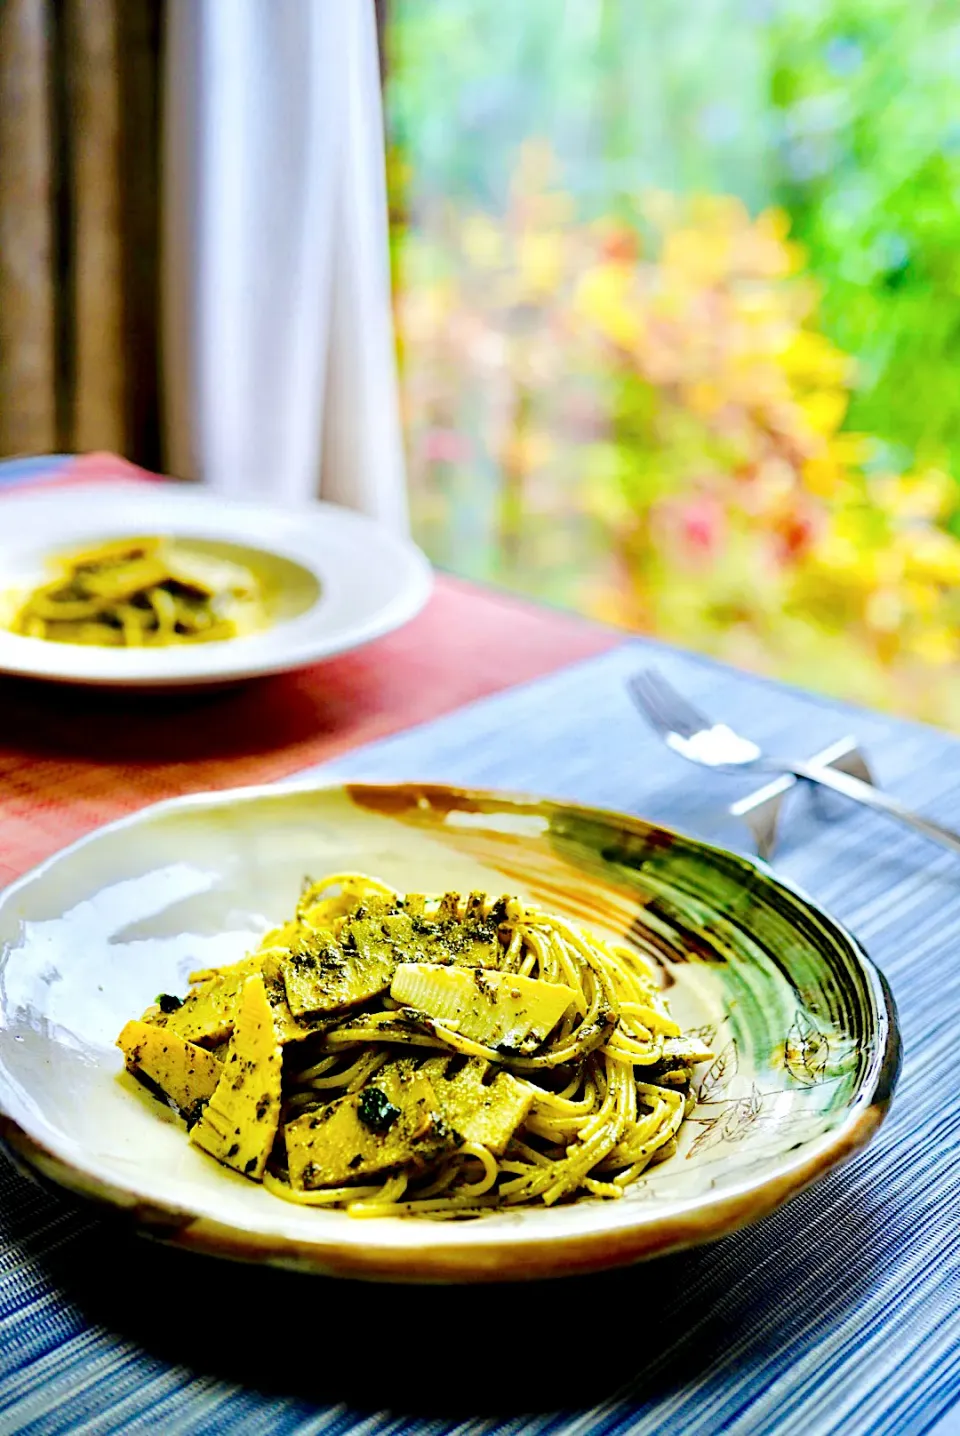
(884, 610)
(540, 263)
(927, 495)
(822, 474)
(703, 397)
(775, 223)
(930, 554)
(699, 257)
(482, 241)
(526, 451)
(935, 645)
(824, 410)
(810, 357)
(921, 600)
(604, 298)
(851, 449)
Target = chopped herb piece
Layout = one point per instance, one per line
(376, 1111)
(168, 1003)
(193, 1114)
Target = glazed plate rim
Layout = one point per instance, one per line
(597, 1235)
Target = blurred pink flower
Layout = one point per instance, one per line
(703, 525)
(697, 526)
(445, 446)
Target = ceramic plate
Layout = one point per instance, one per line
(332, 580)
(802, 1024)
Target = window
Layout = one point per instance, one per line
(678, 296)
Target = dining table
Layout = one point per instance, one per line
(838, 1313)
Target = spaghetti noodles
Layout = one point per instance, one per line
(409, 1056)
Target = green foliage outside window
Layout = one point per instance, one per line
(679, 310)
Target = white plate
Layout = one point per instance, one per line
(337, 580)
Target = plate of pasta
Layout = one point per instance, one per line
(417, 1033)
(158, 585)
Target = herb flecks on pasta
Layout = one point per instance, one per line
(413, 1056)
(142, 593)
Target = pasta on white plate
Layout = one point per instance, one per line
(441, 1057)
(140, 593)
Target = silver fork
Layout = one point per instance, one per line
(695, 737)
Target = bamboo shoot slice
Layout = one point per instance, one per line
(289, 1027)
(323, 976)
(687, 1048)
(208, 1012)
(240, 1121)
(124, 580)
(487, 1113)
(499, 1009)
(185, 1073)
(394, 1122)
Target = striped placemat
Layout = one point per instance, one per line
(71, 759)
(836, 1315)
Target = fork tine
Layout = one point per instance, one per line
(674, 713)
(680, 708)
(650, 701)
(647, 700)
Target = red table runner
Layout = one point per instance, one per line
(73, 758)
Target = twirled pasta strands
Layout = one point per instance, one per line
(591, 1134)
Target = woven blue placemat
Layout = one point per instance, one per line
(837, 1314)
(35, 467)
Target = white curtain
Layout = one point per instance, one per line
(278, 345)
